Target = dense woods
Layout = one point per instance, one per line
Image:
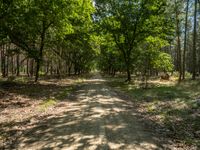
(44, 38)
(144, 38)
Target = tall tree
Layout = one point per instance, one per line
(185, 38)
(31, 22)
(130, 22)
(178, 36)
(194, 43)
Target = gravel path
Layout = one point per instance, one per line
(96, 118)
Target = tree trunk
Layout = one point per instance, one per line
(31, 71)
(179, 64)
(127, 62)
(27, 67)
(47, 68)
(18, 65)
(7, 65)
(128, 71)
(185, 38)
(39, 60)
(51, 68)
(194, 43)
(37, 70)
(3, 66)
(69, 70)
(12, 65)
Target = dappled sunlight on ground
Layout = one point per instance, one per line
(172, 108)
(92, 117)
(95, 118)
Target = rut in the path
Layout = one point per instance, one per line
(96, 118)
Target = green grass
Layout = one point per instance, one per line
(64, 93)
(79, 80)
(172, 106)
(47, 103)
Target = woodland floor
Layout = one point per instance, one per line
(88, 114)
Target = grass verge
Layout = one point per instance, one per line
(172, 106)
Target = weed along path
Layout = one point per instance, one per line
(95, 118)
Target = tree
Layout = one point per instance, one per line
(76, 48)
(185, 38)
(152, 57)
(194, 43)
(110, 60)
(47, 18)
(178, 34)
(130, 22)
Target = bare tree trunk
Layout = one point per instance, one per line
(194, 43)
(51, 69)
(69, 70)
(12, 65)
(128, 73)
(18, 65)
(47, 68)
(39, 60)
(31, 68)
(185, 38)
(38, 63)
(199, 44)
(7, 64)
(3, 66)
(179, 66)
(27, 67)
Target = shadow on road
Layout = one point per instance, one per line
(97, 118)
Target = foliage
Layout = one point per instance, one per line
(50, 21)
(163, 62)
(131, 22)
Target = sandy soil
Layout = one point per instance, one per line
(94, 117)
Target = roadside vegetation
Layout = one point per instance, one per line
(173, 108)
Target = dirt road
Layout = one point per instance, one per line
(96, 118)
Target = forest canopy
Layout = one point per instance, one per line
(134, 37)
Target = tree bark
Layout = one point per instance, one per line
(128, 71)
(38, 63)
(51, 68)
(39, 60)
(27, 67)
(7, 64)
(12, 65)
(185, 38)
(31, 70)
(47, 68)
(194, 43)
(179, 64)
(18, 65)
(3, 66)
